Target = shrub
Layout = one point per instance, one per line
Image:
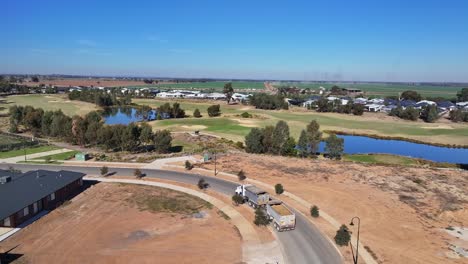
(188, 165)
(246, 115)
(202, 184)
(137, 173)
(48, 159)
(214, 110)
(237, 199)
(342, 236)
(162, 141)
(268, 102)
(239, 145)
(314, 211)
(261, 218)
(196, 113)
(279, 189)
(104, 170)
(241, 175)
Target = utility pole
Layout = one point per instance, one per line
(215, 170)
(355, 256)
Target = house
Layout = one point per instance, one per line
(462, 105)
(374, 107)
(376, 101)
(352, 91)
(407, 103)
(360, 100)
(446, 106)
(424, 103)
(216, 96)
(24, 195)
(311, 102)
(389, 101)
(238, 97)
(170, 95)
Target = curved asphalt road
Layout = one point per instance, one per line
(304, 245)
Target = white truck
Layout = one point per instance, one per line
(253, 195)
(282, 218)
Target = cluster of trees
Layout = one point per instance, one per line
(214, 110)
(409, 113)
(268, 102)
(324, 105)
(173, 112)
(276, 140)
(228, 91)
(459, 116)
(99, 97)
(462, 95)
(7, 87)
(89, 130)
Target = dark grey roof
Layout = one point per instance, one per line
(27, 188)
(445, 104)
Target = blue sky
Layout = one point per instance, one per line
(417, 40)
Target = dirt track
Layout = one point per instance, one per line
(104, 225)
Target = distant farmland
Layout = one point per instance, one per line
(381, 89)
(216, 85)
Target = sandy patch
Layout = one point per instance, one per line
(194, 127)
(247, 122)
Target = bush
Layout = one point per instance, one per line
(188, 165)
(334, 146)
(196, 113)
(314, 211)
(137, 173)
(214, 110)
(162, 141)
(239, 145)
(241, 175)
(246, 115)
(202, 184)
(237, 199)
(342, 236)
(104, 170)
(48, 159)
(358, 109)
(261, 218)
(279, 188)
(268, 102)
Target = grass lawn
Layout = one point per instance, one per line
(32, 150)
(60, 156)
(231, 126)
(49, 102)
(5, 139)
(380, 159)
(41, 162)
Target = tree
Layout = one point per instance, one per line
(253, 141)
(202, 184)
(289, 148)
(146, 133)
(241, 175)
(358, 109)
(267, 140)
(458, 115)
(35, 79)
(138, 174)
(268, 102)
(280, 138)
(462, 96)
(196, 113)
(214, 110)
(261, 218)
(302, 144)
(228, 91)
(188, 165)
(47, 159)
(314, 211)
(279, 189)
(177, 112)
(410, 113)
(429, 113)
(237, 199)
(159, 116)
(162, 141)
(314, 136)
(334, 146)
(342, 236)
(411, 95)
(104, 170)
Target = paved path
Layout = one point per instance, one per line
(160, 163)
(33, 156)
(253, 251)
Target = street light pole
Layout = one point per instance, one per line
(215, 171)
(355, 256)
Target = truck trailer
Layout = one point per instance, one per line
(253, 195)
(282, 218)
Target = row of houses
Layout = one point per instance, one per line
(200, 95)
(25, 195)
(386, 105)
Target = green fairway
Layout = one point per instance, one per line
(216, 85)
(60, 156)
(20, 152)
(49, 102)
(379, 89)
(232, 126)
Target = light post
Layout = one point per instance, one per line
(355, 256)
(215, 171)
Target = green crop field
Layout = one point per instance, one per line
(216, 85)
(230, 125)
(49, 102)
(379, 89)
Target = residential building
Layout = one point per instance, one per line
(24, 195)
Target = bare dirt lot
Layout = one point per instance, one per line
(116, 223)
(89, 82)
(404, 211)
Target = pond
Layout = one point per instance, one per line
(127, 115)
(367, 145)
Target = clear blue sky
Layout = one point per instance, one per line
(399, 40)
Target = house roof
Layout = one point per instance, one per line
(445, 104)
(406, 103)
(27, 188)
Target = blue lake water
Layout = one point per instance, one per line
(365, 145)
(127, 115)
